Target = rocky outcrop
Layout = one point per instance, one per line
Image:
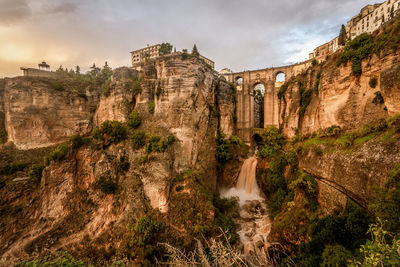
(351, 174)
(343, 100)
(39, 115)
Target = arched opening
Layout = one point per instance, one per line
(239, 80)
(280, 77)
(259, 91)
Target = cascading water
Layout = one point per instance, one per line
(254, 224)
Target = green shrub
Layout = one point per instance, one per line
(223, 154)
(151, 107)
(356, 51)
(171, 139)
(179, 188)
(153, 144)
(138, 139)
(144, 237)
(112, 131)
(105, 88)
(78, 141)
(275, 202)
(12, 168)
(226, 210)
(57, 85)
(373, 82)
(134, 119)
(35, 172)
(283, 90)
(106, 185)
(123, 165)
(317, 82)
(305, 100)
(335, 255)
(57, 154)
(3, 136)
(378, 99)
(136, 85)
(273, 142)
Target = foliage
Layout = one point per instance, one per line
(35, 172)
(3, 136)
(335, 255)
(134, 119)
(378, 251)
(144, 237)
(105, 88)
(223, 154)
(273, 142)
(12, 168)
(123, 165)
(387, 203)
(357, 50)
(106, 184)
(225, 210)
(151, 107)
(165, 49)
(307, 183)
(283, 90)
(305, 100)
(138, 139)
(179, 188)
(112, 131)
(78, 141)
(195, 52)
(378, 99)
(171, 139)
(135, 85)
(153, 144)
(63, 261)
(342, 36)
(57, 154)
(373, 82)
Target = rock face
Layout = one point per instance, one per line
(38, 115)
(187, 97)
(343, 100)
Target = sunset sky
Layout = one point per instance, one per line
(236, 34)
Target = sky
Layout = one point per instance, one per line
(237, 34)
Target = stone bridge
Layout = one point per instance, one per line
(268, 81)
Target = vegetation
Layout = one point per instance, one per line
(35, 172)
(3, 136)
(317, 82)
(135, 85)
(110, 132)
(195, 52)
(138, 139)
(123, 165)
(378, 99)
(63, 261)
(357, 50)
(57, 154)
(106, 184)
(151, 107)
(134, 119)
(342, 36)
(78, 141)
(373, 82)
(165, 49)
(12, 168)
(144, 237)
(272, 143)
(283, 90)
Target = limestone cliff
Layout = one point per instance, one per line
(69, 211)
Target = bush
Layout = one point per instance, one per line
(134, 119)
(171, 139)
(123, 165)
(57, 154)
(283, 90)
(144, 237)
(35, 172)
(151, 107)
(317, 82)
(106, 185)
(3, 136)
(138, 139)
(373, 82)
(272, 141)
(136, 85)
(305, 100)
(12, 168)
(378, 99)
(78, 141)
(153, 144)
(357, 50)
(105, 88)
(335, 255)
(275, 202)
(223, 154)
(112, 131)
(179, 188)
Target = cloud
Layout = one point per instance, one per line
(13, 11)
(235, 34)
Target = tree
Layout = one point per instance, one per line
(165, 49)
(94, 70)
(342, 36)
(77, 70)
(195, 52)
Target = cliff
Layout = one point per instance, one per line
(94, 189)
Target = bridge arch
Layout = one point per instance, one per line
(280, 77)
(239, 80)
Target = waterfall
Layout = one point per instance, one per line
(253, 222)
(246, 187)
(247, 177)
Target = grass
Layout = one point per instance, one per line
(366, 138)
